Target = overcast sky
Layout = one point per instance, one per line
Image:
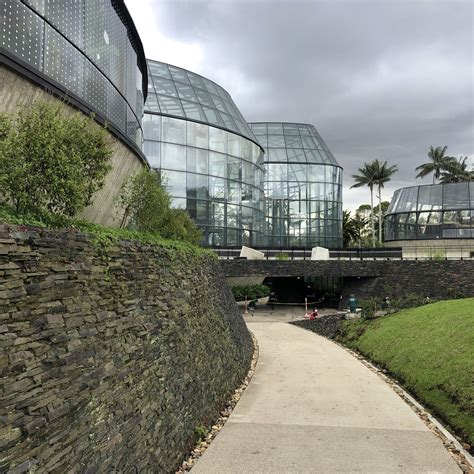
(378, 79)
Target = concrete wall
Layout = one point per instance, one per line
(16, 91)
(451, 248)
(110, 357)
(371, 278)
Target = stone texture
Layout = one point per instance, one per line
(326, 325)
(109, 364)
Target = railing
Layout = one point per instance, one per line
(384, 253)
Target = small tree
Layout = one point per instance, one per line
(147, 208)
(145, 201)
(52, 162)
(179, 226)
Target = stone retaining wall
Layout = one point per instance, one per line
(110, 357)
(326, 325)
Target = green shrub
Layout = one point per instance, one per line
(455, 294)
(411, 300)
(282, 256)
(250, 291)
(368, 308)
(145, 202)
(147, 208)
(50, 162)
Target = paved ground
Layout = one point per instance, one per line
(312, 407)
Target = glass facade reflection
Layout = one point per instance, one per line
(438, 211)
(211, 162)
(303, 186)
(88, 49)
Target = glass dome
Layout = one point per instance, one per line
(438, 211)
(303, 186)
(180, 93)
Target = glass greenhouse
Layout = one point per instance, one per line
(303, 186)
(211, 161)
(439, 211)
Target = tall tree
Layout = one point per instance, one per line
(439, 162)
(367, 177)
(383, 174)
(456, 172)
(352, 227)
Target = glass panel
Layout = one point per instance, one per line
(217, 139)
(217, 164)
(173, 157)
(296, 155)
(297, 172)
(164, 86)
(178, 74)
(429, 197)
(456, 196)
(193, 111)
(259, 128)
(197, 160)
(152, 103)
(176, 183)
(152, 153)
(204, 98)
(213, 116)
(173, 130)
(277, 172)
(277, 141)
(198, 135)
(429, 225)
(186, 92)
(233, 144)
(197, 186)
(195, 80)
(275, 129)
(217, 188)
(293, 141)
(313, 156)
(170, 105)
(151, 127)
(276, 154)
(290, 129)
(234, 168)
(408, 199)
(159, 69)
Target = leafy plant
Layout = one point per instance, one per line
(145, 202)
(50, 162)
(101, 237)
(200, 433)
(250, 291)
(282, 256)
(455, 293)
(147, 209)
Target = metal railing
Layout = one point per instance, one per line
(382, 253)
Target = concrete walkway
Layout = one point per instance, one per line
(312, 407)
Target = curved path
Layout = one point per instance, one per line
(312, 407)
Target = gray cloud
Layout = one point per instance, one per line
(379, 79)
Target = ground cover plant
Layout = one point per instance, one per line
(250, 291)
(102, 236)
(430, 350)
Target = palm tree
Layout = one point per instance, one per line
(367, 177)
(352, 227)
(439, 162)
(456, 172)
(383, 173)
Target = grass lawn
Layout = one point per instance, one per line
(430, 350)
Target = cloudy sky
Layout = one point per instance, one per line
(379, 79)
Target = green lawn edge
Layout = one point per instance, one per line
(430, 351)
(101, 236)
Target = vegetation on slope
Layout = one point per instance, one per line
(430, 350)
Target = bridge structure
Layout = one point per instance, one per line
(369, 278)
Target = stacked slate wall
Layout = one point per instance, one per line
(110, 356)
